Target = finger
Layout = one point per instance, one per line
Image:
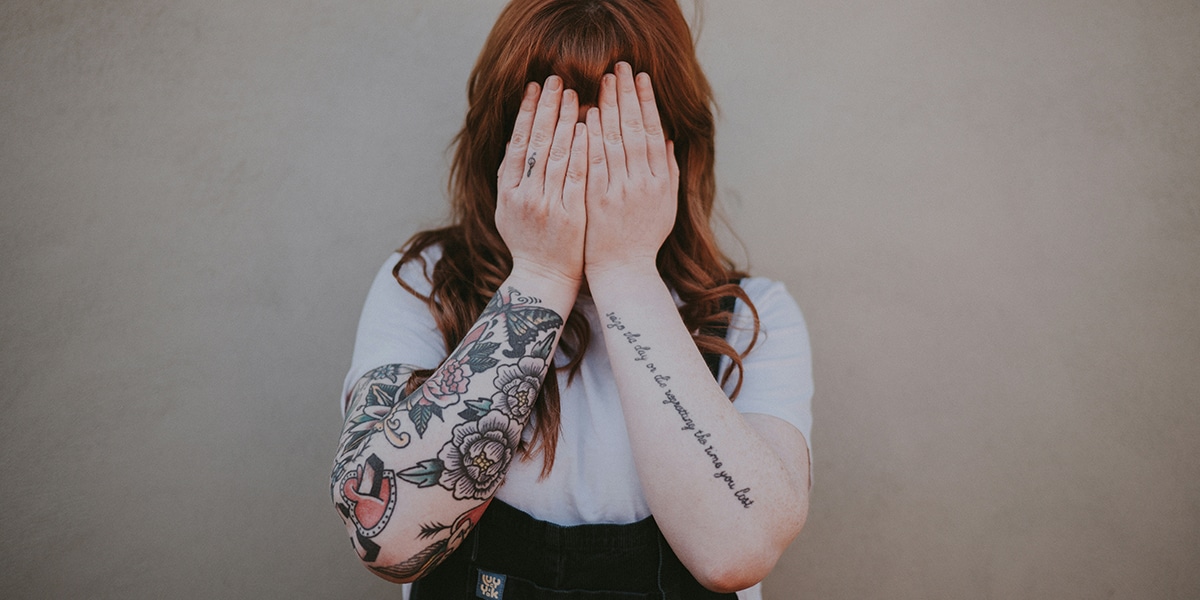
(542, 133)
(610, 125)
(577, 171)
(656, 142)
(514, 154)
(560, 148)
(632, 129)
(597, 173)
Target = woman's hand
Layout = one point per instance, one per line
(540, 210)
(633, 178)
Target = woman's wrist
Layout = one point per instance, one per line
(639, 271)
(555, 290)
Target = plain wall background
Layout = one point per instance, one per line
(989, 211)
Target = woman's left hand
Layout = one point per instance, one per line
(633, 177)
(737, 483)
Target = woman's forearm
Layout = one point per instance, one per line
(414, 472)
(722, 496)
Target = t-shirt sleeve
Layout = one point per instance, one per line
(778, 371)
(396, 327)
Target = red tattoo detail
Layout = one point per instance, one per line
(369, 491)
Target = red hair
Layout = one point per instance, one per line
(580, 41)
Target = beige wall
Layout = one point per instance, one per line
(990, 212)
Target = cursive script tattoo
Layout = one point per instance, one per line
(642, 354)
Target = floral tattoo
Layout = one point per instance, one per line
(510, 347)
(472, 465)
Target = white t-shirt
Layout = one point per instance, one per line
(594, 479)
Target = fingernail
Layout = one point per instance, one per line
(531, 89)
(608, 79)
(643, 78)
(553, 82)
(624, 66)
(569, 96)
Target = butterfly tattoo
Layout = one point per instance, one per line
(522, 319)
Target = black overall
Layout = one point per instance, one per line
(513, 556)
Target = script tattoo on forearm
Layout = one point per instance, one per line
(642, 353)
(512, 345)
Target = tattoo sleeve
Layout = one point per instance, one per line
(454, 435)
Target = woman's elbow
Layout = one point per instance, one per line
(747, 566)
(402, 565)
(733, 575)
(386, 576)
(392, 561)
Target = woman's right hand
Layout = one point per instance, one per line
(540, 210)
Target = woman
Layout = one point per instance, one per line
(582, 187)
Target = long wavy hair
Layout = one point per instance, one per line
(580, 41)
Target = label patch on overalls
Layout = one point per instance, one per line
(491, 586)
